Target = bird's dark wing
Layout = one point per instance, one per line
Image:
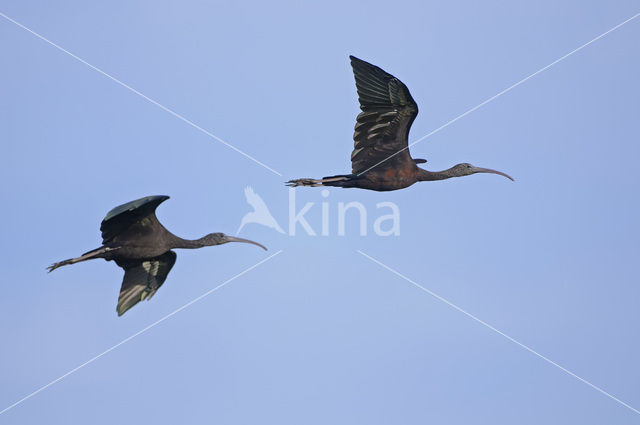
(382, 128)
(133, 218)
(142, 279)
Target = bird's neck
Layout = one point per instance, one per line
(427, 176)
(188, 243)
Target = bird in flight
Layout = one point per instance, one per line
(133, 237)
(380, 159)
(260, 213)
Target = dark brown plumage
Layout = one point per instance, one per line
(380, 159)
(133, 237)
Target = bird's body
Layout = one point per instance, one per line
(380, 159)
(133, 237)
(384, 179)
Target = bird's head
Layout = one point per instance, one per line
(220, 238)
(466, 169)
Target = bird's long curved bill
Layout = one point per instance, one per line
(234, 239)
(489, 170)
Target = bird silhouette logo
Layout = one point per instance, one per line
(260, 213)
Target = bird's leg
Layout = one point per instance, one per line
(315, 182)
(63, 263)
(69, 261)
(96, 253)
(304, 182)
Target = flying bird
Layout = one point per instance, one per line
(260, 213)
(380, 159)
(133, 237)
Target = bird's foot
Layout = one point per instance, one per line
(304, 182)
(55, 266)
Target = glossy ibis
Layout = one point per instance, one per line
(133, 237)
(380, 159)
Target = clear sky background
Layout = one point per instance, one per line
(320, 334)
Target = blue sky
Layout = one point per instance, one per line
(320, 334)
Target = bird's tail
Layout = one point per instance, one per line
(339, 180)
(96, 253)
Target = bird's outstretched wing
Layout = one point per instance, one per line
(142, 279)
(382, 128)
(135, 218)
